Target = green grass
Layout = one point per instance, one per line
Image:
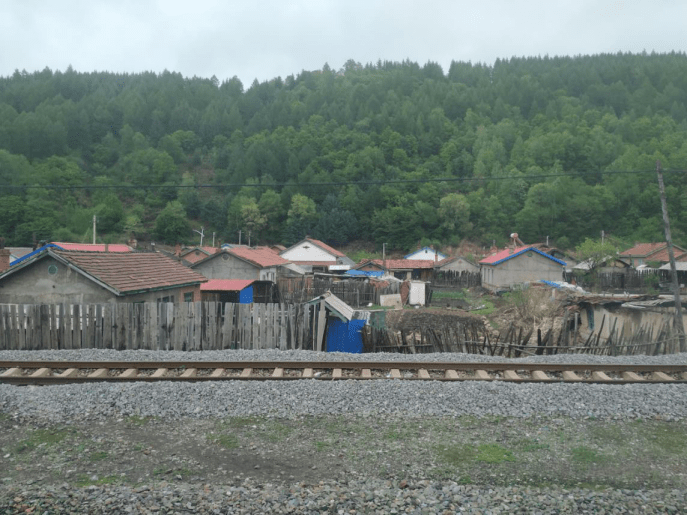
(493, 453)
(39, 437)
(586, 455)
(488, 308)
(450, 294)
(223, 440)
(98, 456)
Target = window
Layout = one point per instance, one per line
(188, 296)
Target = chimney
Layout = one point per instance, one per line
(152, 246)
(107, 247)
(177, 249)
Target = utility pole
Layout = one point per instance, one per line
(239, 237)
(93, 229)
(213, 239)
(679, 326)
(249, 238)
(384, 256)
(202, 233)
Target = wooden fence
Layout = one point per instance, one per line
(454, 279)
(628, 279)
(153, 326)
(354, 292)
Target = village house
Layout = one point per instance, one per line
(53, 276)
(519, 265)
(237, 291)
(644, 253)
(456, 264)
(426, 253)
(258, 264)
(404, 269)
(195, 254)
(316, 256)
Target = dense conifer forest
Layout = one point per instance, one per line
(392, 152)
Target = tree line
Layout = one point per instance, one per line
(540, 146)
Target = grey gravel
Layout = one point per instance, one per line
(291, 399)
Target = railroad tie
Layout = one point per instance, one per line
(569, 375)
(366, 373)
(337, 373)
(631, 376)
(451, 374)
(540, 375)
(482, 375)
(160, 372)
(597, 375)
(11, 372)
(307, 373)
(189, 372)
(511, 375)
(218, 372)
(395, 373)
(661, 376)
(129, 373)
(278, 372)
(70, 372)
(41, 372)
(246, 372)
(98, 374)
(423, 374)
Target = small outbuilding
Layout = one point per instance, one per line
(336, 323)
(519, 265)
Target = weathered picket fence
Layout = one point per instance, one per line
(153, 326)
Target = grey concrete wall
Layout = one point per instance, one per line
(229, 268)
(527, 267)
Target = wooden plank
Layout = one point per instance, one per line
(46, 336)
(89, 338)
(98, 326)
(22, 326)
(321, 321)
(108, 326)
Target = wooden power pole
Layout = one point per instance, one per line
(679, 326)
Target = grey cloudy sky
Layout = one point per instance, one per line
(264, 39)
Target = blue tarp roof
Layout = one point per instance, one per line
(31, 254)
(367, 273)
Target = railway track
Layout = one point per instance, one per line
(62, 372)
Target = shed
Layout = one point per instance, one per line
(337, 323)
(237, 291)
(519, 265)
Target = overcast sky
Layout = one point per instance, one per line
(264, 39)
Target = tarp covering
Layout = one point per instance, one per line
(345, 336)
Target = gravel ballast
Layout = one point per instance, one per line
(389, 492)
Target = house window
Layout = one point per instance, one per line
(169, 298)
(188, 296)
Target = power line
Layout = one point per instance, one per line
(328, 183)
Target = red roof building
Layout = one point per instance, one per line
(61, 276)
(94, 247)
(314, 254)
(642, 253)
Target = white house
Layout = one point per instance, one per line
(426, 253)
(314, 255)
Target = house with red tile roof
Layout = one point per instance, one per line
(94, 247)
(315, 255)
(519, 265)
(259, 264)
(195, 254)
(642, 253)
(53, 276)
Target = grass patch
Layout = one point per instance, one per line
(488, 308)
(276, 431)
(226, 441)
(586, 455)
(322, 446)
(456, 454)
(40, 437)
(530, 446)
(493, 453)
(448, 294)
(98, 456)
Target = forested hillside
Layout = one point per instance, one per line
(391, 152)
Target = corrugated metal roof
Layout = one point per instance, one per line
(507, 254)
(336, 305)
(226, 284)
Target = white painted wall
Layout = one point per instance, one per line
(306, 251)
